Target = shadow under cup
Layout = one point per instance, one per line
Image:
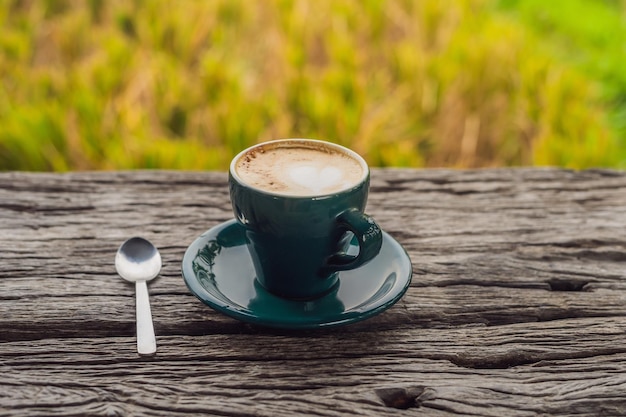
(298, 242)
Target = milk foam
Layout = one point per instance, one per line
(315, 177)
(299, 170)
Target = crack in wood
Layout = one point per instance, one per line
(564, 284)
(512, 359)
(400, 398)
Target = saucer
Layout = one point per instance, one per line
(218, 269)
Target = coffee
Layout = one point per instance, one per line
(293, 168)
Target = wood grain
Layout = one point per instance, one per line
(517, 305)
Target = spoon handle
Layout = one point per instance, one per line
(146, 342)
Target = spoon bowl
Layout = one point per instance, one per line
(137, 260)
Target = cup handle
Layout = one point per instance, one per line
(369, 236)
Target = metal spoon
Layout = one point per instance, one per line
(139, 261)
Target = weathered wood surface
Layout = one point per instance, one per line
(517, 305)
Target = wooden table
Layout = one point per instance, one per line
(517, 305)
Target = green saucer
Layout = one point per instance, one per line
(217, 269)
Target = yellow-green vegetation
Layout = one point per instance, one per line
(116, 84)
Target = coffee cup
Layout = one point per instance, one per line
(301, 204)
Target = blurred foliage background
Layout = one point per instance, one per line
(122, 84)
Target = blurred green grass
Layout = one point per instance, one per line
(112, 84)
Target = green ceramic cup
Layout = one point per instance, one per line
(298, 242)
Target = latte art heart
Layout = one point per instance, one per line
(315, 178)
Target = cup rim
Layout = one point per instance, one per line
(343, 149)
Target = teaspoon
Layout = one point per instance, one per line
(139, 261)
